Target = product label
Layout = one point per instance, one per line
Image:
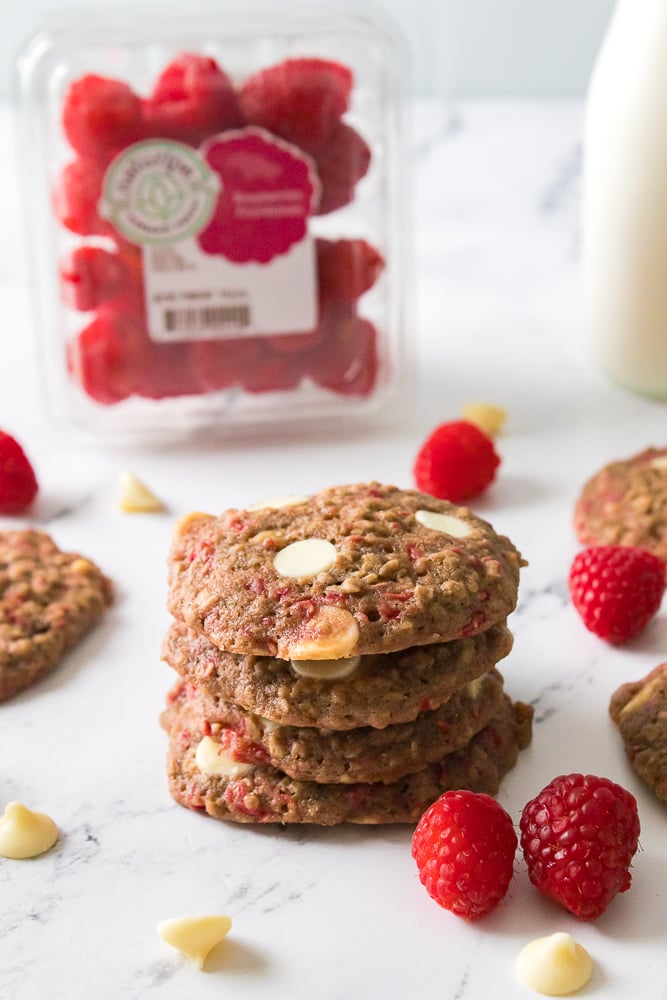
(224, 234)
(159, 192)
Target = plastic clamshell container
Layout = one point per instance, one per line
(217, 202)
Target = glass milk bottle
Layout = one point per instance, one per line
(625, 200)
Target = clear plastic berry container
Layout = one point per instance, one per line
(217, 201)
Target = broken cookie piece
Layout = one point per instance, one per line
(639, 710)
(48, 601)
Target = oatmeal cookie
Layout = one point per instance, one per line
(356, 755)
(625, 503)
(256, 794)
(48, 600)
(382, 689)
(351, 570)
(639, 709)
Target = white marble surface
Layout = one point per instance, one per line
(334, 914)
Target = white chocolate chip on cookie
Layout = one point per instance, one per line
(305, 558)
(275, 503)
(215, 760)
(24, 833)
(331, 634)
(326, 670)
(195, 937)
(659, 463)
(189, 522)
(447, 523)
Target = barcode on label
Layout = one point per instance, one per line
(206, 318)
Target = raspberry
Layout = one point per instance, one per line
(578, 837)
(274, 371)
(191, 100)
(220, 364)
(464, 846)
(165, 370)
(105, 358)
(347, 268)
(90, 276)
(296, 343)
(299, 99)
(101, 116)
(18, 484)
(345, 359)
(341, 163)
(76, 197)
(456, 462)
(616, 589)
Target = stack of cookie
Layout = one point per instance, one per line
(337, 657)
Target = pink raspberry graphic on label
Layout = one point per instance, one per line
(268, 190)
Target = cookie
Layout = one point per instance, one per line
(381, 690)
(349, 571)
(625, 503)
(252, 794)
(48, 600)
(357, 755)
(639, 710)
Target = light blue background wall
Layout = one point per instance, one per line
(458, 47)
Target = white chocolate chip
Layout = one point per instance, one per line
(488, 417)
(326, 670)
(331, 634)
(660, 462)
(275, 503)
(215, 760)
(195, 937)
(24, 833)
(188, 522)
(135, 497)
(447, 523)
(81, 566)
(554, 965)
(306, 558)
(268, 725)
(204, 601)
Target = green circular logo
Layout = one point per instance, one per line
(158, 192)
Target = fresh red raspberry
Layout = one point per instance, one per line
(296, 343)
(347, 268)
(192, 99)
(464, 846)
(341, 163)
(345, 360)
(616, 589)
(165, 370)
(298, 99)
(274, 371)
(221, 364)
(456, 462)
(89, 276)
(101, 116)
(578, 837)
(105, 358)
(76, 197)
(18, 484)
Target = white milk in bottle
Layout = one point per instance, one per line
(625, 200)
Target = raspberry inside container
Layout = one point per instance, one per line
(217, 212)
